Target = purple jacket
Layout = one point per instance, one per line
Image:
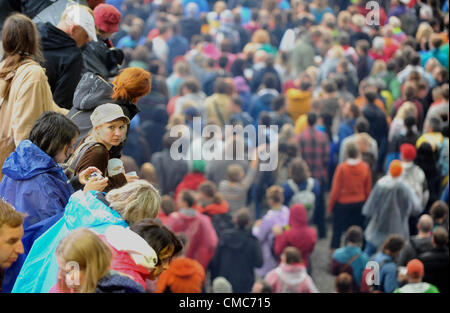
(265, 237)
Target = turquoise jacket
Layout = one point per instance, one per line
(344, 254)
(39, 272)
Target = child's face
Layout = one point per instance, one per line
(164, 258)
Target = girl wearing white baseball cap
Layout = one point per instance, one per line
(109, 130)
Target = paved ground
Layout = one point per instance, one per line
(320, 262)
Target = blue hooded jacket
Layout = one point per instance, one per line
(34, 183)
(39, 272)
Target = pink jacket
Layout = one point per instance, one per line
(202, 238)
(291, 278)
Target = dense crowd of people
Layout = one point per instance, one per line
(94, 93)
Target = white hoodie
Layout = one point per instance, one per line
(124, 239)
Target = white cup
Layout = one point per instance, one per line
(115, 166)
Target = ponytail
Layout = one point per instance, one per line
(131, 84)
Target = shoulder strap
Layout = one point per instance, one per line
(349, 262)
(310, 184)
(73, 165)
(216, 106)
(293, 185)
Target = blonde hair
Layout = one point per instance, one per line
(287, 132)
(92, 255)
(379, 66)
(261, 36)
(344, 18)
(235, 172)
(135, 201)
(407, 108)
(219, 6)
(337, 52)
(148, 173)
(175, 119)
(313, 72)
(423, 31)
(275, 193)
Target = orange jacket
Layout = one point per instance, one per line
(351, 184)
(184, 275)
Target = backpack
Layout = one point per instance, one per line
(364, 287)
(71, 165)
(339, 268)
(305, 197)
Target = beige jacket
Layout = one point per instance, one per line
(29, 97)
(223, 106)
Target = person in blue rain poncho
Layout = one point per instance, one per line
(35, 184)
(91, 209)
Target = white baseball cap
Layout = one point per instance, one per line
(106, 113)
(80, 16)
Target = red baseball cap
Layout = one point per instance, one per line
(415, 268)
(408, 151)
(107, 18)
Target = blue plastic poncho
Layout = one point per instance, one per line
(39, 272)
(34, 183)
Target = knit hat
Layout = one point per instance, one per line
(221, 285)
(408, 151)
(415, 268)
(198, 166)
(395, 169)
(107, 18)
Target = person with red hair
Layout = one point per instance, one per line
(127, 88)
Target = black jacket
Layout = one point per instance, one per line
(190, 27)
(436, 267)
(169, 172)
(8, 7)
(237, 255)
(101, 60)
(63, 63)
(378, 128)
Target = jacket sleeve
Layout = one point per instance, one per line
(280, 243)
(390, 278)
(325, 153)
(368, 182)
(406, 255)
(334, 193)
(262, 232)
(368, 207)
(32, 100)
(161, 283)
(248, 179)
(310, 285)
(99, 157)
(67, 82)
(52, 200)
(258, 257)
(215, 261)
